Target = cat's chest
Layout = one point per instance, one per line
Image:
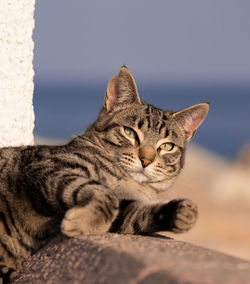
(127, 188)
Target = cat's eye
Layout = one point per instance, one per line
(167, 146)
(130, 133)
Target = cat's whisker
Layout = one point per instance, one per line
(112, 155)
(175, 193)
(113, 165)
(171, 194)
(185, 176)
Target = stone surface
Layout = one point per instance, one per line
(130, 259)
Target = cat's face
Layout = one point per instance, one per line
(150, 145)
(146, 141)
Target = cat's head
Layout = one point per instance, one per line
(148, 142)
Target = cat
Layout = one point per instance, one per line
(105, 180)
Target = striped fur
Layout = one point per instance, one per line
(106, 179)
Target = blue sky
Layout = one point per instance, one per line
(189, 40)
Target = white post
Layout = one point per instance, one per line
(16, 72)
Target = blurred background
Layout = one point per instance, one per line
(180, 53)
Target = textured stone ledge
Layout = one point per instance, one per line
(130, 259)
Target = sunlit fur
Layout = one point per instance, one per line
(153, 127)
(105, 180)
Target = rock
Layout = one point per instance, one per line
(131, 259)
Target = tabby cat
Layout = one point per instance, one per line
(105, 180)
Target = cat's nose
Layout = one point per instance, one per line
(145, 162)
(146, 155)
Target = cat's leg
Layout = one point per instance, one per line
(7, 274)
(86, 206)
(71, 192)
(134, 217)
(94, 214)
(178, 216)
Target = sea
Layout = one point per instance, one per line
(64, 110)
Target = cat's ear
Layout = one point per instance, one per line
(121, 90)
(191, 118)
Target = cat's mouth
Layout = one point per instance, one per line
(143, 176)
(140, 176)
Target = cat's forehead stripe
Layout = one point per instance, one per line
(140, 123)
(156, 118)
(164, 117)
(148, 115)
(163, 124)
(174, 134)
(153, 115)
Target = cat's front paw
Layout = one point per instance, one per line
(185, 215)
(178, 215)
(92, 219)
(7, 275)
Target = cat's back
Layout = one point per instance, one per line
(10, 158)
(15, 161)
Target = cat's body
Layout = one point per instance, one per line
(107, 179)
